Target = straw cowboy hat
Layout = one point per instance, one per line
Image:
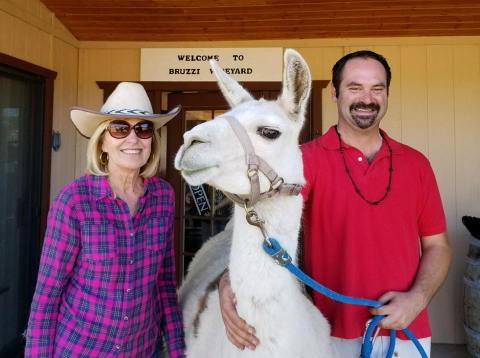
(128, 100)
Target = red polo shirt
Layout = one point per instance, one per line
(359, 249)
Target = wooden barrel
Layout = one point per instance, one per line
(472, 298)
(473, 342)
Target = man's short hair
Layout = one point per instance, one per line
(337, 69)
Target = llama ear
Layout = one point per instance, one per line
(296, 85)
(231, 89)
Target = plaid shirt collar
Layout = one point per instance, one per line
(100, 187)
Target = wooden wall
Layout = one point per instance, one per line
(29, 31)
(102, 64)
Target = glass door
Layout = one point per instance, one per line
(206, 210)
(21, 128)
(201, 211)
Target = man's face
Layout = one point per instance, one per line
(363, 98)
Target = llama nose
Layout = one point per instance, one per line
(192, 139)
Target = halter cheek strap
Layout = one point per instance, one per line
(254, 165)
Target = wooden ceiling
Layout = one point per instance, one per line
(211, 20)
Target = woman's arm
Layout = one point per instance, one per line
(60, 248)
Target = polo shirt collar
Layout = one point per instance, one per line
(330, 142)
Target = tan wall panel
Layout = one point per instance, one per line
(6, 26)
(19, 33)
(38, 47)
(125, 65)
(63, 161)
(392, 123)
(38, 9)
(330, 113)
(441, 152)
(329, 56)
(414, 97)
(467, 158)
(94, 65)
(321, 61)
(101, 65)
(467, 129)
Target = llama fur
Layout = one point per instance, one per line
(268, 296)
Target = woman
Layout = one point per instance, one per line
(106, 282)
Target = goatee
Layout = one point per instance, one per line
(364, 121)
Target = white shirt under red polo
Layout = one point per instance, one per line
(359, 249)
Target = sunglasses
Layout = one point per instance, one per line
(121, 129)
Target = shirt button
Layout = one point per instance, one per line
(360, 159)
(132, 234)
(118, 347)
(131, 261)
(125, 318)
(129, 290)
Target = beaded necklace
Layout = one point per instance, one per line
(357, 189)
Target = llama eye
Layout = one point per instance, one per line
(268, 133)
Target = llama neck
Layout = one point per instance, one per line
(252, 271)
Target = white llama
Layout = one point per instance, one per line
(268, 296)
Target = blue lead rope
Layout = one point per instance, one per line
(281, 257)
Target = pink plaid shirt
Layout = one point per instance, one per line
(106, 282)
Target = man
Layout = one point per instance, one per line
(374, 225)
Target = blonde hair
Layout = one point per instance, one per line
(94, 153)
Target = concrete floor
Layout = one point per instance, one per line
(449, 351)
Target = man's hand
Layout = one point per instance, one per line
(238, 331)
(401, 308)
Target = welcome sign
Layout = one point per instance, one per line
(192, 64)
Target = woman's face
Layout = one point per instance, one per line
(126, 154)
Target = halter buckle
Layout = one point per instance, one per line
(277, 183)
(252, 172)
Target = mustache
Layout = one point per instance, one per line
(363, 105)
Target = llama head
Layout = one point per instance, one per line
(213, 154)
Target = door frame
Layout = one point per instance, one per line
(47, 77)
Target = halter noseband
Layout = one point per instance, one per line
(255, 164)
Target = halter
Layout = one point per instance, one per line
(254, 165)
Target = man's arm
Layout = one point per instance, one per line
(401, 308)
(238, 331)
